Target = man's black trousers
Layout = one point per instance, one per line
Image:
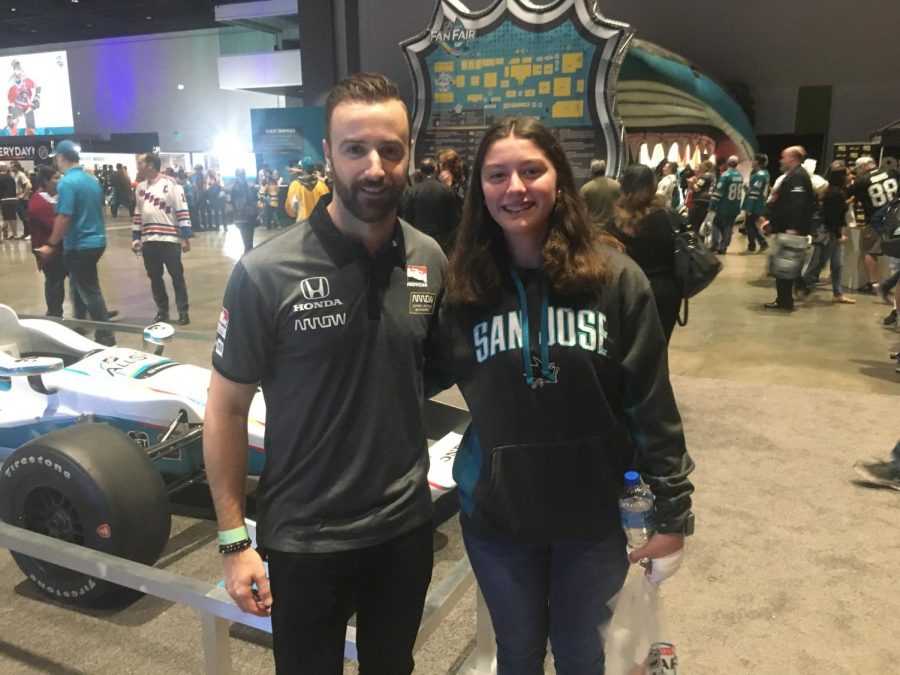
(159, 254)
(315, 594)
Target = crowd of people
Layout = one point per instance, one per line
(550, 306)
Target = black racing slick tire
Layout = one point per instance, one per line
(91, 485)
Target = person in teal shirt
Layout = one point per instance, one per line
(725, 202)
(80, 230)
(754, 205)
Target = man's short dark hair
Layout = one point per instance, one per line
(362, 87)
(761, 159)
(153, 160)
(427, 167)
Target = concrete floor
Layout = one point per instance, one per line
(732, 351)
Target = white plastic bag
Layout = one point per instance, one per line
(637, 641)
(706, 225)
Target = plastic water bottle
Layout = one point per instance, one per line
(636, 509)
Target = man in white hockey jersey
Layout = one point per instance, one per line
(161, 230)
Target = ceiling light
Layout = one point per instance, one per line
(180, 87)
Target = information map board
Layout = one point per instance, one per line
(557, 61)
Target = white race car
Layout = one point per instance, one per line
(94, 439)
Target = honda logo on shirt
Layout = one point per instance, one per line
(315, 288)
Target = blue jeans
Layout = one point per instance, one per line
(722, 227)
(85, 285)
(753, 235)
(55, 274)
(833, 252)
(558, 590)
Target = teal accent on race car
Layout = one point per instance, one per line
(190, 459)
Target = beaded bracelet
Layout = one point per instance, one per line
(231, 536)
(236, 547)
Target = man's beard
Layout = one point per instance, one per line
(368, 208)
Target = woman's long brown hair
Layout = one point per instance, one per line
(637, 200)
(479, 262)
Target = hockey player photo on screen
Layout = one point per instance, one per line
(38, 101)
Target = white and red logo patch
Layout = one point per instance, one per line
(222, 328)
(417, 275)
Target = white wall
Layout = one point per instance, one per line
(129, 85)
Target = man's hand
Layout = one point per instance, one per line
(45, 252)
(185, 245)
(241, 571)
(136, 245)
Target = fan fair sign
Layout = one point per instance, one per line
(558, 62)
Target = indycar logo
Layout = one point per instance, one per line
(417, 275)
(222, 327)
(315, 288)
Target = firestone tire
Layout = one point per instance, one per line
(88, 484)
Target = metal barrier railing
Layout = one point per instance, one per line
(214, 604)
(115, 326)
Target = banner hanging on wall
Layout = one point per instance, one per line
(558, 62)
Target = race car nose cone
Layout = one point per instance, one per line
(159, 333)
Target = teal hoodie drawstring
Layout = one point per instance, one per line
(546, 375)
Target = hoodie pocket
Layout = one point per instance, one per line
(552, 491)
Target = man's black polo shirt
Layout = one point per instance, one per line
(338, 341)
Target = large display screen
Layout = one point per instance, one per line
(36, 98)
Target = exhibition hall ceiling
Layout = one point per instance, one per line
(26, 23)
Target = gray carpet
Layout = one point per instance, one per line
(792, 568)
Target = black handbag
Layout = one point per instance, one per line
(695, 265)
(818, 232)
(890, 230)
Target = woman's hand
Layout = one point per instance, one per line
(659, 546)
(665, 552)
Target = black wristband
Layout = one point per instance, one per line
(236, 547)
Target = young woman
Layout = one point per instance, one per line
(556, 346)
(647, 229)
(41, 214)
